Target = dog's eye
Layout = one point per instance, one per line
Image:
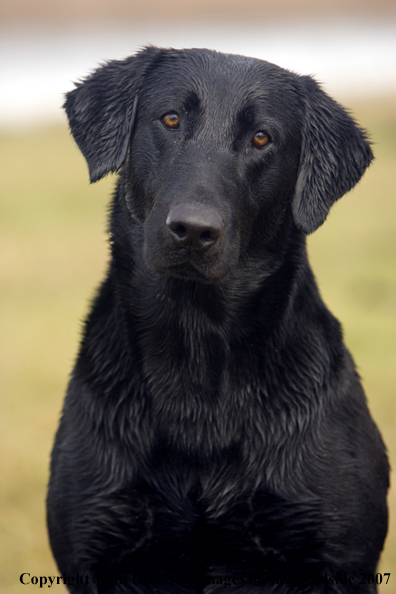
(260, 139)
(171, 120)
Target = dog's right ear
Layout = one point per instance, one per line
(101, 110)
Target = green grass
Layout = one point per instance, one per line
(53, 254)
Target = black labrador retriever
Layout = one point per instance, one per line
(215, 432)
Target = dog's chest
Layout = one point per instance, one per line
(232, 435)
(203, 401)
(217, 396)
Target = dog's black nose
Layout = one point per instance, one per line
(195, 225)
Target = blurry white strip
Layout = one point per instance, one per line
(38, 66)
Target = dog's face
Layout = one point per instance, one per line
(220, 152)
(215, 150)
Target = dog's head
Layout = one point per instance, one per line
(218, 152)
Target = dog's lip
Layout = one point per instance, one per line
(187, 271)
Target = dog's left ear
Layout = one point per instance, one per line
(335, 153)
(101, 110)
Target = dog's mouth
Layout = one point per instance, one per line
(188, 271)
(188, 266)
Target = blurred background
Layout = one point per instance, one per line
(52, 223)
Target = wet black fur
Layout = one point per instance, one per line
(214, 425)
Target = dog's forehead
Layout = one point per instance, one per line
(228, 79)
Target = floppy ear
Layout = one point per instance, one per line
(101, 111)
(335, 153)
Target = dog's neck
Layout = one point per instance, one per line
(173, 314)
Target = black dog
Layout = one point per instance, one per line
(215, 432)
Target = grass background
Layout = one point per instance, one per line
(53, 254)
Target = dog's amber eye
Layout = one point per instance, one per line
(171, 120)
(260, 139)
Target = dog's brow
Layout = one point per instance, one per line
(191, 101)
(246, 115)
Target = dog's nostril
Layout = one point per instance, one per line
(179, 230)
(206, 236)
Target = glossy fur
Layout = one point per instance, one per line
(214, 426)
